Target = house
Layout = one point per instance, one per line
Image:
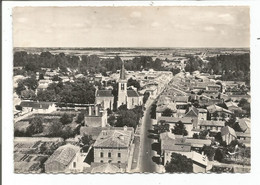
(211, 125)
(62, 160)
(189, 122)
(38, 107)
(233, 107)
(113, 146)
(213, 88)
(171, 143)
(130, 97)
(228, 134)
(200, 114)
(96, 116)
(218, 113)
(244, 135)
(106, 97)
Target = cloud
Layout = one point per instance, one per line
(209, 28)
(155, 24)
(135, 14)
(226, 17)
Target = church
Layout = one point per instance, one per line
(129, 97)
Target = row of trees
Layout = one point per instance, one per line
(87, 63)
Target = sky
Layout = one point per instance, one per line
(226, 26)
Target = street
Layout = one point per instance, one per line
(146, 157)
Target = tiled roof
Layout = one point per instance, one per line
(231, 104)
(242, 134)
(193, 112)
(104, 93)
(170, 142)
(244, 124)
(211, 123)
(181, 99)
(228, 130)
(215, 108)
(132, 93)
(198, 142)
(114, 139)
(63, 154)
(36, 105)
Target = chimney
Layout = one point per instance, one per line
(89, 110)
(96, 110)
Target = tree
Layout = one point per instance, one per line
(18, 107)
(41, 77)
(132, 82)
(36, 126)
(111, 120)
(162, 127)
(28, 94)
(179, 164)
(203, 134)
(153, 111)
(146, 96)
(126, 118)
(87, 140)
(80, 117)
(56, 78)
(179, 129)
(219, 155)
(67, 132)
(209, 151)
(54, 129)
(122, 107)
(195, 136)
(167, 112)
(65, 119)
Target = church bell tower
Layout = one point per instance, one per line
(122, 87)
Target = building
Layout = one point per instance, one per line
(171, 143)
(218, 113)
(130, 97)
(233, 107)
(113, 146)
(211, 125)
(200, 114)
(96, 116)
(38, 107)
(187, 121)
(228, 134)
(106, 97)
(62, 160)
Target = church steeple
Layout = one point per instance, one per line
(122, 72)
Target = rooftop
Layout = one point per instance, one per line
(114, 139)
(211, 123)
(36, 105)
(104, 93)
(132, 93)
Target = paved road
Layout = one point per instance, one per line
(146, 163)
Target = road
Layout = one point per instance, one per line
(146, 163)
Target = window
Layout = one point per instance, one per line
(118, 154)
(122, 86)
(74, 164)
(101, 154)
(133, 101)
(109, 154)
(101, 161)
(118, 162)
(109, 161)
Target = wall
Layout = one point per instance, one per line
(108, 102)
(54, 167)
(114, 152)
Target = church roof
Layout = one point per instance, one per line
(132, 93)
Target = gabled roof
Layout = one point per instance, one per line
(228, 130)
(244, 124)
(215, 108)
(231, 104)
(132, 93)
(211, 123)
(104, 93)
(36, 105)
(193, 112)
(181, 99)
(114, 139)
(64, 154)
